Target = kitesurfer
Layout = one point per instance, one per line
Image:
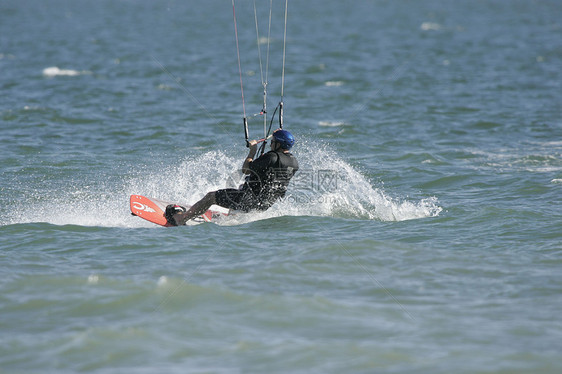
(267, 179)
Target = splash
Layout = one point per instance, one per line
(341, 191)
(338, 190)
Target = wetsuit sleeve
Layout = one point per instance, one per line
(263, 162)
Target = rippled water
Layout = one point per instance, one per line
(421, 235)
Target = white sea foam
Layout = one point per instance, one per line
(264, 40)
(162, 281)
(426, 26)
(54, 71)
(93, 279)
(330, 123)
(539, 157)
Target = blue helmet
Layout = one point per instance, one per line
(285, 138)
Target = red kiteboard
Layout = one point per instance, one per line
(152, 210)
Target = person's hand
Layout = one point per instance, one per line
(252, 143)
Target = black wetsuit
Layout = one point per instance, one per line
(267, 182)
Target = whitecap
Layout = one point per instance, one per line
(330, 123)
(426, 26)
(93, 279)
(162, 281)
(333, 83)
(54, 71)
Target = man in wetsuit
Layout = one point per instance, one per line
(267, 179)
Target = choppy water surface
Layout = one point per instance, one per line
(423, 233)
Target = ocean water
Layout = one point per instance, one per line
(423, 233)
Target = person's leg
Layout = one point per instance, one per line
(197, 209)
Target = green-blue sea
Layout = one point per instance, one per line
(423, 233)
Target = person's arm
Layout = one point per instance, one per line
(250, 157)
